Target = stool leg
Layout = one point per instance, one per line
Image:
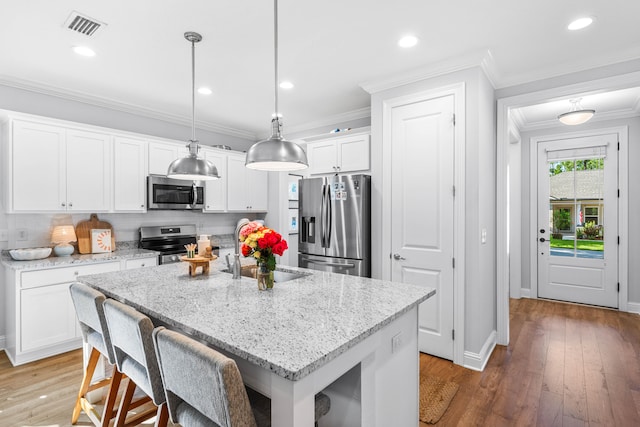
(86, 382)
(125, 403)
(107, 414)
(163, 416)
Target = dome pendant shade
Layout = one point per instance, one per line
(191, 167)
(577, 115)
(276, 153)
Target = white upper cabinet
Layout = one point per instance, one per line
(215, 196)
(58, 169)
(88, 171)
(161, 154)
(38, 170)
(339, 155)
(129, 174)
(247, 188)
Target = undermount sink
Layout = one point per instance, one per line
(279, 276)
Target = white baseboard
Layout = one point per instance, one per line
(633, 307)
(3, 342)
(477, 361)
(525, 293)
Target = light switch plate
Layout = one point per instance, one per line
(22, 234)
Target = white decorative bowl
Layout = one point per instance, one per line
(29, 254)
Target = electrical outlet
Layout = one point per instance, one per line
(22, 234)
(4, 235)
(396, 342)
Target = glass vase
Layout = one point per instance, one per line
(264, 277)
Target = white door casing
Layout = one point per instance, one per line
(581, 276)
(422, 213)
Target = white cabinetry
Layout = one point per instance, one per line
(131, 264)
(215, 196)
(129, 174)
(88, 171)
(40, 316)
(58, 169)
(339, 155)
(161, 154)
(41, 319)
(247, 188)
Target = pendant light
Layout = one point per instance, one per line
(577, 115)
(191, 167)
(276, 153)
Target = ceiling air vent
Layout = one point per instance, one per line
(82, 24)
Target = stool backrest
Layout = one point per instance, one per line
(198, 377)
(133, 348)
(93, 324)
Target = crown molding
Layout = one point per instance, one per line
(483, 59)
(360, 113)
(518, 118)
(111, 104)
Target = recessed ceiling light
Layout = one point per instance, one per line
(580, 23)
(84, 51)
(408, 41)
(204, 91)
(286, 85)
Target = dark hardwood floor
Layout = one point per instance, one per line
(567, 365)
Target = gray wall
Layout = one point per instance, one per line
(480, 190)
(528, 213)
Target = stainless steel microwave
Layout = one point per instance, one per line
(174, 194)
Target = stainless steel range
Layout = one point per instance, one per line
(169, 240)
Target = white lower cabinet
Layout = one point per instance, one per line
(47, 317)
(40, 316)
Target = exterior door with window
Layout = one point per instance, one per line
(577, 220)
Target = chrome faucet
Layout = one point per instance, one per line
(236, 256)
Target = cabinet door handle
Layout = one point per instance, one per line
(64, 204)
(142, 265)
(398, 257)
(70, 204)
(142, 206)
(75, 273)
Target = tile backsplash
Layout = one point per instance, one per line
(34, 230)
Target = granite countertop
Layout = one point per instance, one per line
(290, 330)
(75, 259)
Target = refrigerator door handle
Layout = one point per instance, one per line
(322, 219)
(329, 217)
(330, 264)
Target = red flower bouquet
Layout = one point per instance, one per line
(263, 244)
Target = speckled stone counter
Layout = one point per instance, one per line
(76, 259)
(290, 330)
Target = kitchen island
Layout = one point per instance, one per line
(296, 339)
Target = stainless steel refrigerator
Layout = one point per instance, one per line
(335, 224)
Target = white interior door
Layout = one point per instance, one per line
(578, 220)
(422, 213)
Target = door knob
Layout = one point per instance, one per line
(542, 230)
(398, 257)
(542, 240)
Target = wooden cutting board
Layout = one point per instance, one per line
(83, 233)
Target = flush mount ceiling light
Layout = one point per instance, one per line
(408, 41)
(191, 167)
(204, 91)
(84, 51)
(577, 115)
(580, 23)
(276, 153)
(286, 85)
